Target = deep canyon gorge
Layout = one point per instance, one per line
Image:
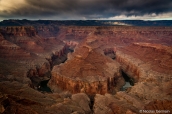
(69, 69)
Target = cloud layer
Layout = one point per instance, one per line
(83, 9)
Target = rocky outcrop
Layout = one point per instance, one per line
(12, 51)
(125, 103)
(77, 76)
(41, 73)
(110, 52)
(71, 44)
(19, 31)
(50, 31)
(83, 101)
(87, 71)
(154, 57)
(109, 104)
(22, 44)
(74, 33)
(144, 66)
(161, 106)
(129, 65)
(21, 99)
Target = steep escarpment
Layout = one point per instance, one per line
(144, 66)
(125, 35)
(87, 71)
(10, 50)
(150, 81)
(29, 41)
(156, 56)
(145, 78)
(19, 31)
(23, 45)
(47, 31)
(42, 73)
(74, 33)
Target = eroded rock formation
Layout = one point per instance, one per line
(87, 71)
(19, 31)
(85, 59)
(21, 99)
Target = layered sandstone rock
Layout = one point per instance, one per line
(83, 101)
(47, 31)
(19, 31)
(165, 106)
(126, 103)
(87, 71)
(23, 45)
(84, 77)
(10, 50)
(109, 104)
(21, 99)
(146, 66)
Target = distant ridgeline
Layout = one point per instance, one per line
(25, 22)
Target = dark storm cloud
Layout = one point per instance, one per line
(101, 7)
(92, 8)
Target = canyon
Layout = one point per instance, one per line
(67, 69)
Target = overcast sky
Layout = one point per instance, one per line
(86, 9)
